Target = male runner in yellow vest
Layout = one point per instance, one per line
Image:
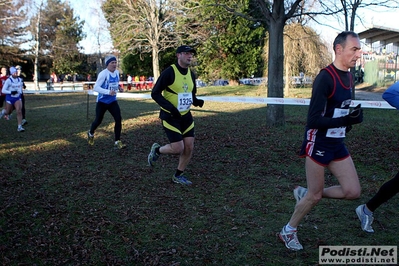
(175, 91)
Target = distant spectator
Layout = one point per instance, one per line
(150, 82)
(142, 82)
(53, 78)
(129, 82)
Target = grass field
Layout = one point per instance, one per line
(66, 203)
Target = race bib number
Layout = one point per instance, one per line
(338, 132)
(184, 101)
(114, 86)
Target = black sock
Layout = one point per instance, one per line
(178, 172)
(157, 151)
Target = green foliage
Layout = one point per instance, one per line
(60, 31)
(121, 41)
(12, 31)
(371, 72)
(137, 64)
(68, 32)
(141, 64)
(234, 45)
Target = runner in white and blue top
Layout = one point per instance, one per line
(13, 90)
(107, 85)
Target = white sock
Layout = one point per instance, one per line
(288, 227)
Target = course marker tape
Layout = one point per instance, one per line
(259, 100)
(253, 100)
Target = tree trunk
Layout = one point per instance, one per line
(354, 7)
(37, 48)
(155, 63)
(275, 84)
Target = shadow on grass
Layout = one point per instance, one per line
(67, 203)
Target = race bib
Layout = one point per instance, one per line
(184, 101)
(114, 86)
(338, 132)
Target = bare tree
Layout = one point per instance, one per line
(350, 9)
(276, 15)
(305, 52)
(143, 26)
(99, 28)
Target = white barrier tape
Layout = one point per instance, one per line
(125, 95)
(258, 100)
(293, 101)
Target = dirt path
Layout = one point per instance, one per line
(368, 95)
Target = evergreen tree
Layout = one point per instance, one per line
(58, 32)
(12, 19)
(231, 46)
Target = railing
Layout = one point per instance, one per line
(61, 86)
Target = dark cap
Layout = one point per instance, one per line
(185, 48)
(109, 58)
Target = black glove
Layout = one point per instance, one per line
(14, 92)
(355, 117)
(198, 102)
(175, 113)
(348, 128)
(356, 111)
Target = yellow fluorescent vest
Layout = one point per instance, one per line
(181, 84)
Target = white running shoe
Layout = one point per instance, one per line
(365, 220)
(153, 156)
(290, 239)
(3, 114)
(21, 129)
(299, 193)
(90, 138)
(119, 145)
